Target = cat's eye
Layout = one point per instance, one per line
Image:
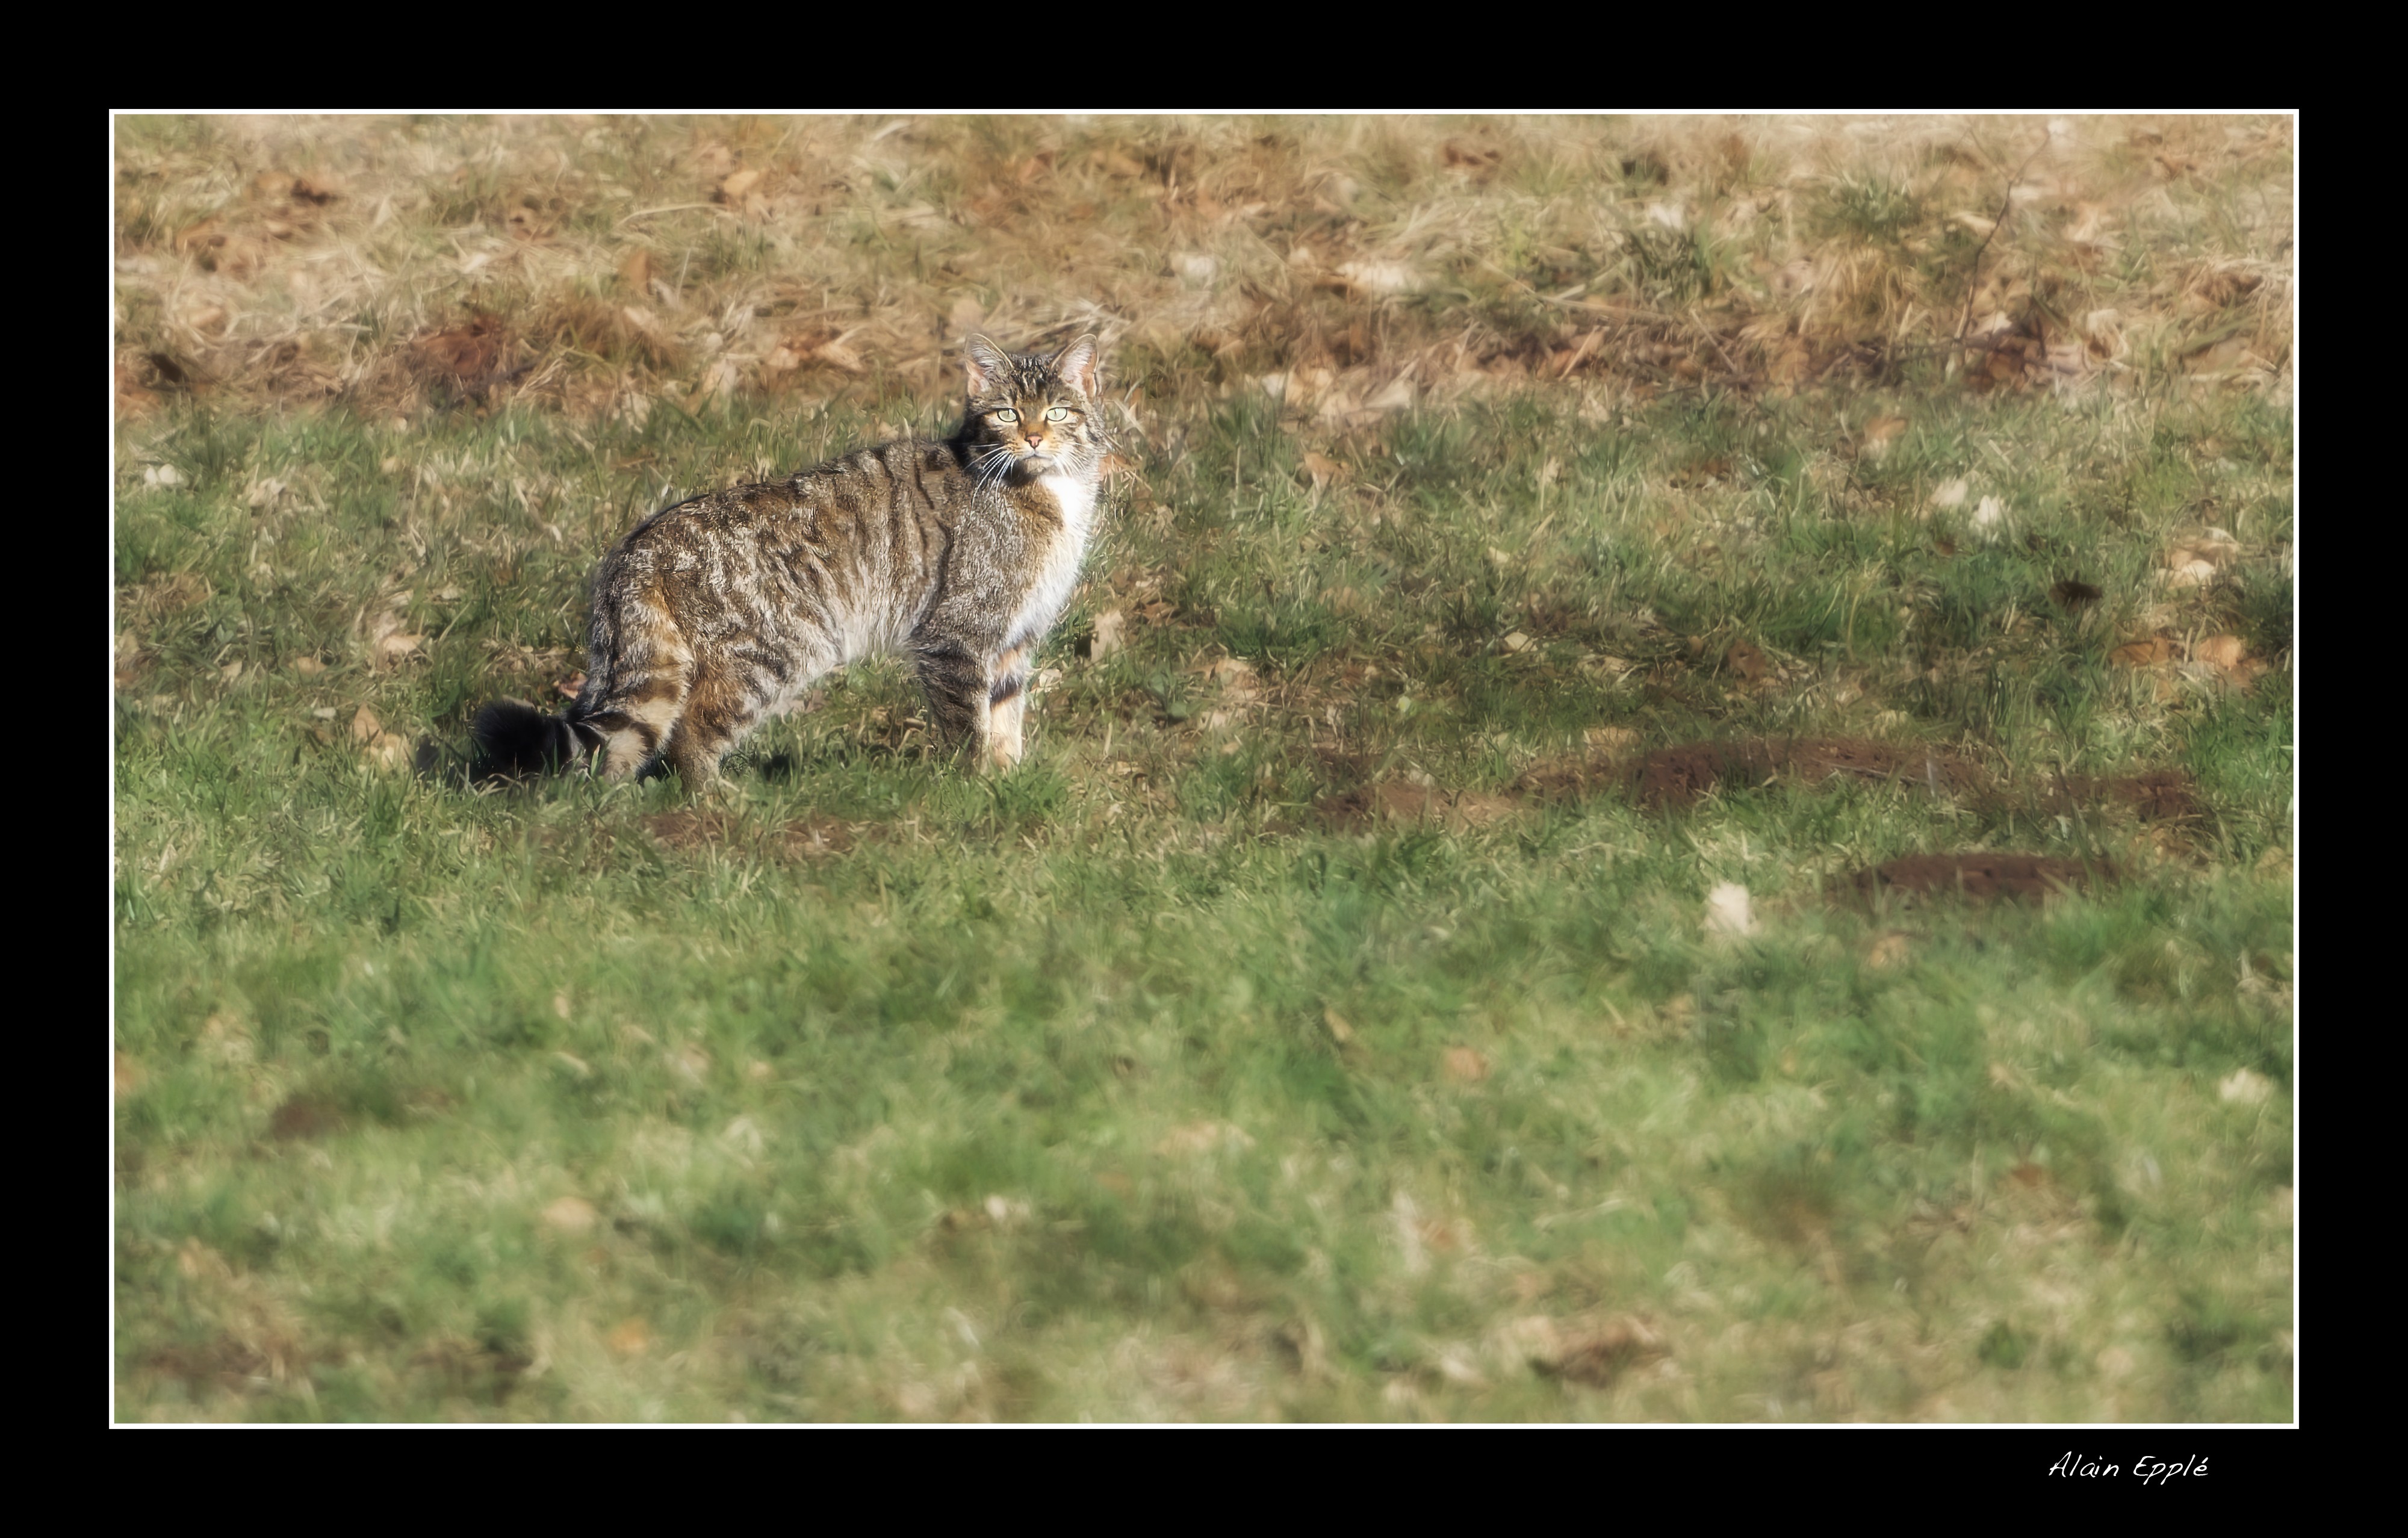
(1007, 415)
(1059, 413)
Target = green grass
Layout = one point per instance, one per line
(1029, 1103)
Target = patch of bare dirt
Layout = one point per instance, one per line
(1678, 776)
(814, 838)
(1394, 802)
(684, 830)
(1574, 779)
(304, 1116)
(470, 358)
(1979, 876)
(2154, 796)
(1591, 1352)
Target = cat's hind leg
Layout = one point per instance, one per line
(637, 718)
(645, 666)
(719, 712)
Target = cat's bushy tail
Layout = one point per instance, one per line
(514, 738)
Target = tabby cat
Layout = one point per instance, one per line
(717, 613)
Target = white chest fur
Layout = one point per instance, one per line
(1057, 572)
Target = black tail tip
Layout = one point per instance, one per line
(514, 738)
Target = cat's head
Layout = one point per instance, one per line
(1031, 413)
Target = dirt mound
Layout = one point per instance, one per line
(1681, 775)
(1982, 876)
(1573, 778)
(470, 358)
(2154, 796)
(688, 829)
(809, 837)
(1412, 804)
(805, 837)
(304, 1116)
(1678, 776)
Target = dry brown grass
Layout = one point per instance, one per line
(601, 264)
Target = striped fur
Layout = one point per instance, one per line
(714, 614)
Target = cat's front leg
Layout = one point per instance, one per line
(1006, 707)
(958, 683)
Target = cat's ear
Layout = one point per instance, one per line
(1077, 363)
(983, 363)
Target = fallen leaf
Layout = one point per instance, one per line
(1516, 642)
(733, 189)
(1464, 1064)
(308, 666)
(1379, 278)
(629, 1338)
(1203, 1137)
(1748, 661)
(2245, 1087)
(365, 726)
(1950, 493)
(1729, 911)
(1611, 741)
(1108, 637)
(1322, 469)
(2103, 332)
(2142, 654)
(388, 752)
(1881, 432)
(1591, 1353)
(2225, 652)
(231, 671)
(2224, 356)
(395, 645)
(1889, 952)
(569, 1215)
(1340, 1031)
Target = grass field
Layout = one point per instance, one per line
(1457, 949)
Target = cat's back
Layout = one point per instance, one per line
(852, 502)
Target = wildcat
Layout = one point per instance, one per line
(717, 613)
